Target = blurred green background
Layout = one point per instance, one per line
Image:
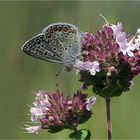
(21, 75)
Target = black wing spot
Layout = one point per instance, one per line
(53, 42)
(60, 54)
(54, 28)
(26, 48)
(54, 49)
(70, 46)
(41, 37)
(51, 30)
(54, 36)
(59, 28)
(54, 55)
(66, 48)
(32, 42)
(43, 40)
(28, 44)
(65, 28)
(38, 41)
(46, 53)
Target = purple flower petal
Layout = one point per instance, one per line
(93, 67)
(90, 102)
(32, 129)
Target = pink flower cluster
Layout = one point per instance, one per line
(107, 48)
(109, 56)
(55, 112)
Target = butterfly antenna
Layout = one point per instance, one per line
(107, 23)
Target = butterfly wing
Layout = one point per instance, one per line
(73, 51)
(37, 47)
(65, 40)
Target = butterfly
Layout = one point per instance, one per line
(58, 43)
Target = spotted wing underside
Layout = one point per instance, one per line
(38, 48)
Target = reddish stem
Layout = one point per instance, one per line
(109, 128)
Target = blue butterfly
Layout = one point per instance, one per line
(58, 42)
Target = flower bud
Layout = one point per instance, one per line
(108, 74)
(51, 119)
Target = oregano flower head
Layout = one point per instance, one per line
(54, 111)
(109, 60)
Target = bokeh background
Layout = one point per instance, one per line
(22, 75)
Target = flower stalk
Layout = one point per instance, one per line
(109, 127)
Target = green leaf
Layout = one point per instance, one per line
(82, 134)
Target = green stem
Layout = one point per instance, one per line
(109, 128)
